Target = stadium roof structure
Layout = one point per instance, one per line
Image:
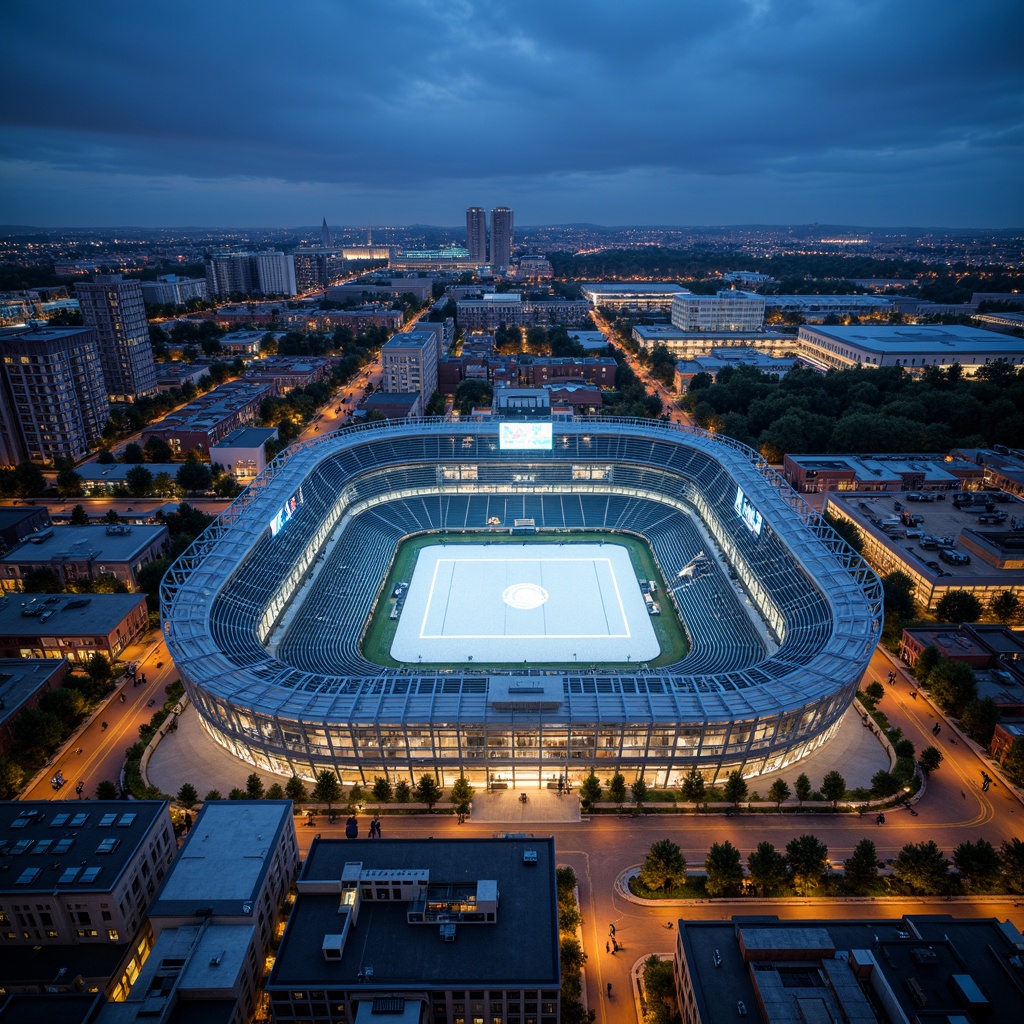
(745, 694)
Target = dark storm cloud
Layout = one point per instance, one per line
(386, 104)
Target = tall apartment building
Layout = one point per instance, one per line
(275, 273)
(409, 364)
(501, 237)
(54, 399)
(726, 311)
(228, 273)
(476, 234)
(114, 306)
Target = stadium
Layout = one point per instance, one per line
(527, 641)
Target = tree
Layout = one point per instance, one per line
(237, 793)
(133, 454)
(766, 869)
(926, 661)
(693, 787)
(664, 867)
(472, 392)
(833, 787)
(861, 869)
(617, 789)
(382, 789)
(254, 787)
(327, 789)
(724, 871)
(979, 719)
(427, 791)
(69, 484)
(778, 791)
(193, 476)
(590, 790)
(1013, 762)
(807, 858)
(958, 606)
(884, 783)
(930, 759)
(920, 869)
(1011, 855)
(638, 790)
(875, 691)
(11, 777)
(158, 451)
(803, 787)
(659, 991)
(403, 793)
(79, 517)
(275, 791)
(98, 669)
(106, 790)
(139, 481)
(735, 787)
(462, 791)
(187, 796)
(952, 685)
(1005, 607)
(214, 794)
(295, 790)
(29, 481)
(978, 864)
(898, 589)
(105, 457)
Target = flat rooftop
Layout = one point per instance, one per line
(83, 542)
(224, 859)
(70, 614)
(519, 948)
(247, 437)
(19, 680)
(912, 339)
(941, 519)
(70, 846)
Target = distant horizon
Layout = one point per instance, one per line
(460, 228)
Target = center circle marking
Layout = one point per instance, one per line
(524, 596)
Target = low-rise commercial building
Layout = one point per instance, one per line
(536, 371)
(75, 879)
(510, 309)
(85, 552)
(211, 417)
(243, 453)
(950, 550)
(445, 930)
(19, 522)
(814, 309)
(72, 626)
(171, 290)
(929, 473)
(632, 294)
(694, 344)
(916, 968)
(720, 358)
(914, 347)
(287, 372)
(110, 477)
(177, 375)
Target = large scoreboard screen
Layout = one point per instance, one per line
(744, 508)
(285, 513)
(524, 437)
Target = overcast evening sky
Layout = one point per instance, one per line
(236, 113)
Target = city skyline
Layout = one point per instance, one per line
(737, 112)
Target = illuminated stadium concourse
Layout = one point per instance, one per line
(521, 643)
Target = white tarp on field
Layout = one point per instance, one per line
(527, 602)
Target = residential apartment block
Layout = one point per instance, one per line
(114, 306)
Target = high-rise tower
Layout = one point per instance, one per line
(115, 307)
(476, 233)
(501, 238)
(325, 235)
